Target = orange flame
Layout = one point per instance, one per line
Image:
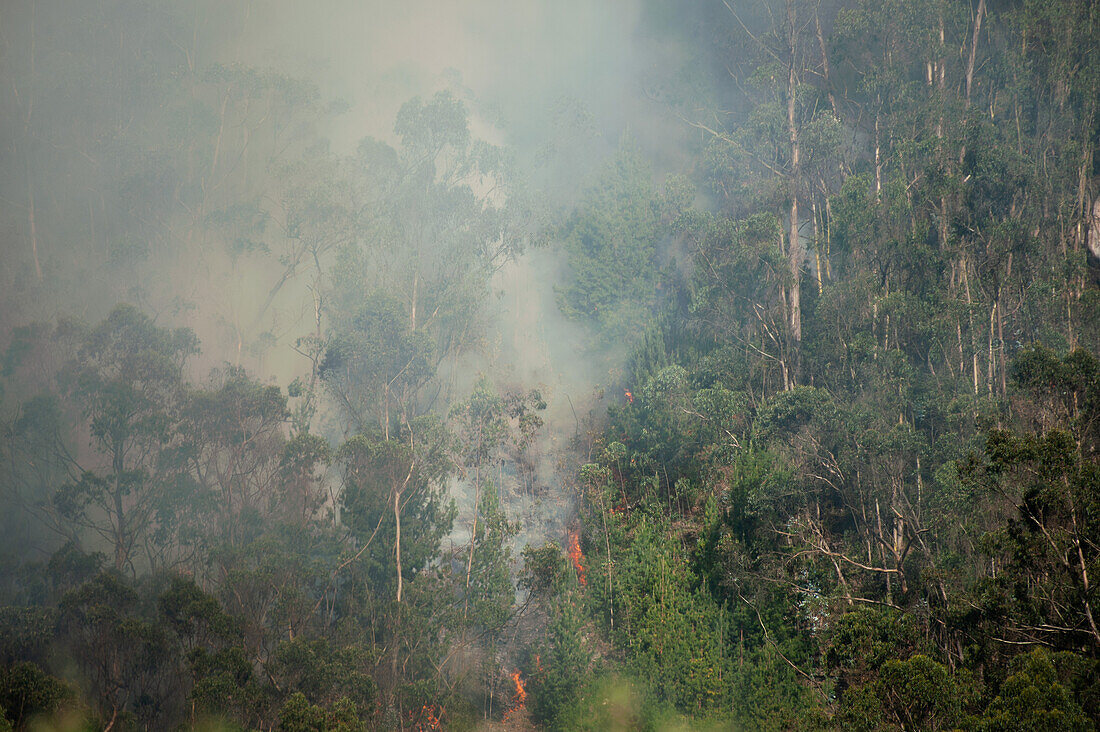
(521, 691)
(518, 700)
(429, 718)
(629, 395)
(575, 554)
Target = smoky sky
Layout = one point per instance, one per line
(108, 114)
(513, 62)
(89, 111)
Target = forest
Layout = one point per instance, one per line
(643, 365)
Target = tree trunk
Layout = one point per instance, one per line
(1094, 228)
(32, 225)
(817, 249)
(794, 244)
(121, 557)
(1001, 341)
(990, 363)
(826, 70)
(473, 540)
(878, 160)
(970, 315)
(974, 49)
(397, 540)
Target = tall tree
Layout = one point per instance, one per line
(434, 229)
(128, 379)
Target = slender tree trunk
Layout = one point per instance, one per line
(397, 493)
(397, 540)
(1083, 238)
(473, 540)
(878, 159)
(974, 49)
(990, 364)
(1094, 228)
(941, 70)
(386, 412)
(794, 244)
(970, 315)
(817, 246)
(886, 319)
(1084, 573)
(218, 140)
(121, 557)
(1001, 340)
(962, 355)
(882, 554)
(825, 68)
(32, 224)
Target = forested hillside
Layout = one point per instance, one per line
(775, 405)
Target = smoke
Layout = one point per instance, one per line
(150, 156)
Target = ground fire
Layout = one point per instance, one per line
(519, 701)
(629, 395)
(521, 692)
(575, 554)
(429, 718)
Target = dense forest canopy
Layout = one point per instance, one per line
(643, 365)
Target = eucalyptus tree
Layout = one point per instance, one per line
(233, 440)
(777, 147)
(487, 426)
(393, 495)
(407, 290)
(612, 245)
(394, 506)
(128, 379)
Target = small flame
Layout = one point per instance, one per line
(518, 701)
(575, 554)
(629, 395)
(521, 692)
(429, 718)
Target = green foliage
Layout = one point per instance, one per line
(769, 695)
(917, 693)
(324, 674)
(25, 632)
(611, 245)
(1047, 544)
(302, 465)
(411, 468)
(1037, 695)
(124, 657)
(128, 379)
(298, 715)
(375, 354)
(670, 626)
(416, 245)
(856, 484)
(196, 617)
(491, 593)
(563, 662)
(544, 570)
(26, 692)
(863, 640)
(225, 687)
